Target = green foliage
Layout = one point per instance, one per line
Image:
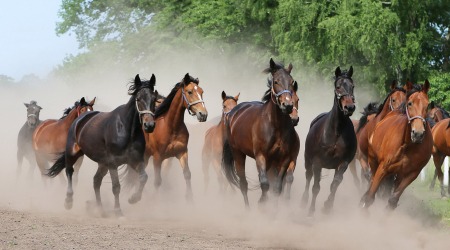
(440, 89)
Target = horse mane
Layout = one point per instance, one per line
(370, 109)
(134, 88)
(380, 108)
(277, 67)
(266, 97)
(416, 88)
(165, 105)
(444, 112)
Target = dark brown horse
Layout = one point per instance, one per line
(368, 114)
(212, 147)
(25, 137)
(265, 132)
(50, 137)
(393, 100)
(170, 138)
(331, 141)
(112, 139)
(400, 146)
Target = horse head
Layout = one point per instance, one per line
(416, 111)
(229, 102)
(33, 111)
(282, 86)
(84, 106)
(294, 114)
(145, 99)
(193, 97)
(343, 90)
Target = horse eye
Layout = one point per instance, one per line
(190, 92)
(409, 103)
(393, 100)
(275, 82)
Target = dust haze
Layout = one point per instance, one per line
(278, 224)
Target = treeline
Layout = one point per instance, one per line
(384, 40)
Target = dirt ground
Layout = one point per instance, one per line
(33, 216)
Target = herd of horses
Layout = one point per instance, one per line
(393, 140)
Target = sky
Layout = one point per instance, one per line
(28, 41)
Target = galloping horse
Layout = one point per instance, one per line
(331, 141)
(170, 138)
(439, 122)
(212, 147)
(50, 137)
(263, 131)
(393, 100)
(401, 146)
(112, 139)
(25, 137)
(368, 114)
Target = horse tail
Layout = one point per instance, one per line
(59, 165)
(228, 167)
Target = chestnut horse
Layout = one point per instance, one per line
(331, 141)
(50, 137)
(368, 114)
(112, 139)
(265, 132)
(400, 146)
(393, 100)
(212, 147)
(441, 148)
(25, 137)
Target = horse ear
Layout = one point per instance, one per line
(92, 102)
(337, 72)
(426, 86)
(289, 69)
(224, 96)
(187, 78)
(137, 80)
(432, 105)
(408, 86)
(26, 104)
(272, 64)
(82, 100)
(157, 95)
(393, 84)
(295, 86)
(350, 72)
(153, 80)
(237, 96)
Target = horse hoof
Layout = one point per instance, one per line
(189, 198)
(118, 213)
(134, 199)
(68, 204)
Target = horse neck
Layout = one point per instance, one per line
(68, 120)
(336, 119)
(132, 117)
(274, 115)
(175, 115)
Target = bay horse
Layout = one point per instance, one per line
(170, 137)
(439, 122)
(265, 132)
(395, 98)
(368, 114)
(112, 139)
(331, 141)
(400, 146)
(25, 137)
(212, 147)
(50, 137)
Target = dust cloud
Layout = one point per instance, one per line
(278, 224)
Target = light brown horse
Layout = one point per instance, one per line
(400, 146)
(212, 147)
(393, 100)
(50, 137)
(441, 149)
(170, 137)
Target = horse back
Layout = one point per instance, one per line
(441, 136)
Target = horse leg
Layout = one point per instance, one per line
(338, 176)
(43, 166)
(289, 179)
(315, 189)
(220, 176)
(157, 161)
(365, 169)
(143, 177)
(77, 167)
(352, 167)
(116, 190)
(263, 180)
(20, 156)
(308, 175)
(369, 197)
(438, 160)
(400, 187)
(183, 158)
(239, 161)
(102, 170)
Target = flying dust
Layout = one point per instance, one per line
(220, 219)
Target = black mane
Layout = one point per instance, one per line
(134, 87)
(266, 97)
(371, 108)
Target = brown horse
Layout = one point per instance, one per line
(400, 146)
(50, 137)
(212, 147)
(393, 100)
(331, 141)
(368, 114)
(265, 132)
(112, 139)
(25, 137)
(170, 137)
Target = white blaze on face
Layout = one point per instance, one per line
(199, 97)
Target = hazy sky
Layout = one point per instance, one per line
(28, 43)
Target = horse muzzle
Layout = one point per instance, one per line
(286, 108)
(149, 126)
(349, 109)
(202, 116)
(295, 120)
(417, 136)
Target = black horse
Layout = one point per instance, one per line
(25, 137)
(112, 139)
(331, 141)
